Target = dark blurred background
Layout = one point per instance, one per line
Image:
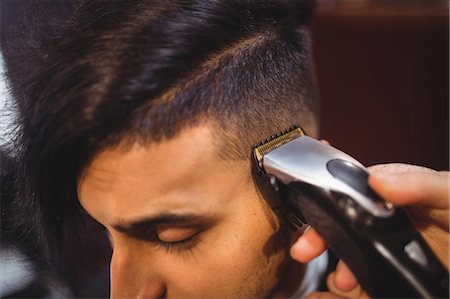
(382, 70)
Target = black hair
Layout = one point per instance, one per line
(141, 71)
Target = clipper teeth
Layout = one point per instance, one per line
(275, 141)
(294, 220)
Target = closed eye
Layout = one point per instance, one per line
(176, 239)
(175, 234)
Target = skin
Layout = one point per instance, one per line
(232, 245)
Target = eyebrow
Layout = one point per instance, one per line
(148, 223)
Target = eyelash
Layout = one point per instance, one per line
(178, 246)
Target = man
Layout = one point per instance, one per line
(143, 115)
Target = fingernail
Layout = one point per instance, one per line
(298, 250)
(301, 243)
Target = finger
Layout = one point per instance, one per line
(356, 292)
(324, 141)
(308, 246)
(322, 295)
(405, 188)
(344, 278)
(398, 168)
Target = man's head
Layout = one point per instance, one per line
(184, 222)
(150, 109)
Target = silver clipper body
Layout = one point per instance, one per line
(319, 185)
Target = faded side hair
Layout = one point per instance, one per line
(142, 71)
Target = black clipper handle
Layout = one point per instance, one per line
(388, 256)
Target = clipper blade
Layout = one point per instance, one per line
(275, 141)
(294, 220)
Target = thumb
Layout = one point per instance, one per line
(429, 189)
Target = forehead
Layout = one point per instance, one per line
(184, 174)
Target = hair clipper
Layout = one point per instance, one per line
(319, 185)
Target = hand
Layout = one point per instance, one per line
(424, 192)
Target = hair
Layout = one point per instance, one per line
(142, 71)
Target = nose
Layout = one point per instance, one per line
(130, 279)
